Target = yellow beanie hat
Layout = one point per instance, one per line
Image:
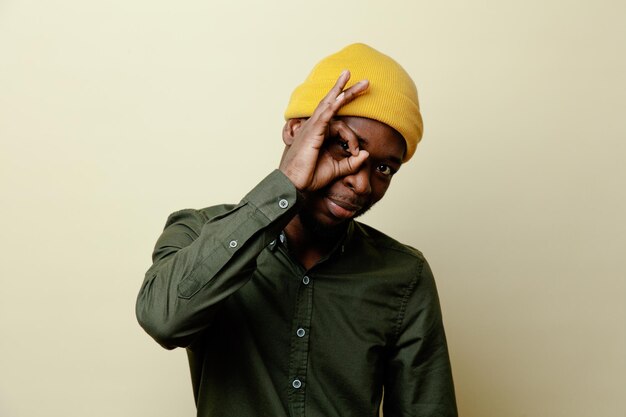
(391, 97)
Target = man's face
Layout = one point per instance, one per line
(350, 196)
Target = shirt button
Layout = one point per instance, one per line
(305, 280)
(233, 244)
(300, 332)
(283, 203)
(296, 383)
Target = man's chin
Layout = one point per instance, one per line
(325, 230)
(361, 212)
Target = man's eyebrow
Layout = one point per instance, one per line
(390, 158)
(395, 160)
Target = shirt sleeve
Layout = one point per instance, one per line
(200, 260)
(418, 377)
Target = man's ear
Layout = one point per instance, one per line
(291, 128)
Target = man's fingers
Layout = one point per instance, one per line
(351, 164)
(326, 111)
(331, 96)
(343, 98)
(338, 87)
(351, 93)
(338, 97)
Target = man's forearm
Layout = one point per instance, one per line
(202, 257)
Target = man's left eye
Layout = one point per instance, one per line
(385, 170)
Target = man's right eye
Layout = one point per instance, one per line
(338, 148)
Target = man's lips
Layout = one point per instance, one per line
(342, 209)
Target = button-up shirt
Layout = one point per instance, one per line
(266, 337)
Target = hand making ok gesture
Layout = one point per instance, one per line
(305, 161)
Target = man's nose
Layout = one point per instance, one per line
(359, 182)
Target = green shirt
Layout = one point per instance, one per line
(265, 337)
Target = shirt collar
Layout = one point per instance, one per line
(339, 248)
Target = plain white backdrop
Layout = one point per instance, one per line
(114, 114)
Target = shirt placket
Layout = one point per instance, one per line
(299, 353)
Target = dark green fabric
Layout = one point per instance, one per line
(254, 321)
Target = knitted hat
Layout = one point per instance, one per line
(391, 97)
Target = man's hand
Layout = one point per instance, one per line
(304, 161)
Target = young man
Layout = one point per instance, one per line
(285, 304)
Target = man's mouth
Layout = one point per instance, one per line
(342, 209)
